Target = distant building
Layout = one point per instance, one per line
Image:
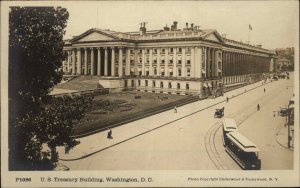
(175, 61)
(283, 64)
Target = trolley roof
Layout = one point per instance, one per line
(229, 124)
(242, 142)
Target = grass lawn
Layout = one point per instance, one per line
(117, 107)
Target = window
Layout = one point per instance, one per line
(188, 50)
(179, 62)
(163, 73)
(155, 71)
(179, 72)
(188, 62)
(139, 82)
(148, 51)
(179, 50)
(162, 50)
(140, 73)
(155, 61)
(161, 84)
(171, 50)
(171, 73)
(147, 73)
(140, 51)
(188, 72)
(171, 61)
(153, 83)
(163, 61)
(178, 85)
(131, 52)
(187, 86)
(141, 60)
(220, 55)
(146, 82)
(147, 60)
(155, 50)
(170, 85)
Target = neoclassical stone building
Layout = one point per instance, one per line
(177, 61)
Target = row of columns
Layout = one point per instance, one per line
(77, 63)
(239, 64)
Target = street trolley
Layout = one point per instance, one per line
(243, 151)
(228, 125)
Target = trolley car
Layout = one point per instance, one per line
(229, 125)
(242, 150)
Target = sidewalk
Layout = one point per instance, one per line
(95, 143)
(282, 137)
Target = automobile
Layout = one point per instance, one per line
(275, 78)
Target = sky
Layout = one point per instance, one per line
(275, 24)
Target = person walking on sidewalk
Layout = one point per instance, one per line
(227, 99)
(258, 107)
(109, 134)
(264, 90)
(175, 110)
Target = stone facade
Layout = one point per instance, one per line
(187, 61)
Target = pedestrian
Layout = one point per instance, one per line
(175, 109)
(67, 149)
(264, 90)
(258, 107)
(227, 99)
(109, 134)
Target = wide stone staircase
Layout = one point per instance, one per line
(81, 83)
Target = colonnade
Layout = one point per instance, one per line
(235, 63)
(188, 62)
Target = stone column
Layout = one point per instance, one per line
(158, 61)
(183, 61)
(205, 62)
(150, 62)
(78, 61)
(136, 72)
(208, 75)
(92, 62)
(99, 62)
(175, 62)
(69, 60)
(85, 61)
(73, 61)
(143, 62)
(192, 61)
(120, 66)
(105, 62)
(166, 62)
(127, 66)
(113, 61)
(198, 61)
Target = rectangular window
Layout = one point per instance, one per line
(187, 86)
(161, 84)
(147, 60)
(153, 83)
(155, 61)
(155, 71)
(171, 73)
(171, 50)
(188, 62)
(179, 62)
(163, 73)
(171, 61)
(170, 85)
(179, 50)
(178, 85)
(163, 61)
(139, 82)
(147, 73)
(188, 50)
(162, 50)
(179, 72)
(147, 51)
(146, 82)
(188, 72)
(131, 52)
(141, 60)
(155, 50)
(140, 51)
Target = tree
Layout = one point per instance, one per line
(35, 58)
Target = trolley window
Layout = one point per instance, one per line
(242, 142)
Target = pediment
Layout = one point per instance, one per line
(95, 36)
(213, 37)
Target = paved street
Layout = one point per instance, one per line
(180, 141)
